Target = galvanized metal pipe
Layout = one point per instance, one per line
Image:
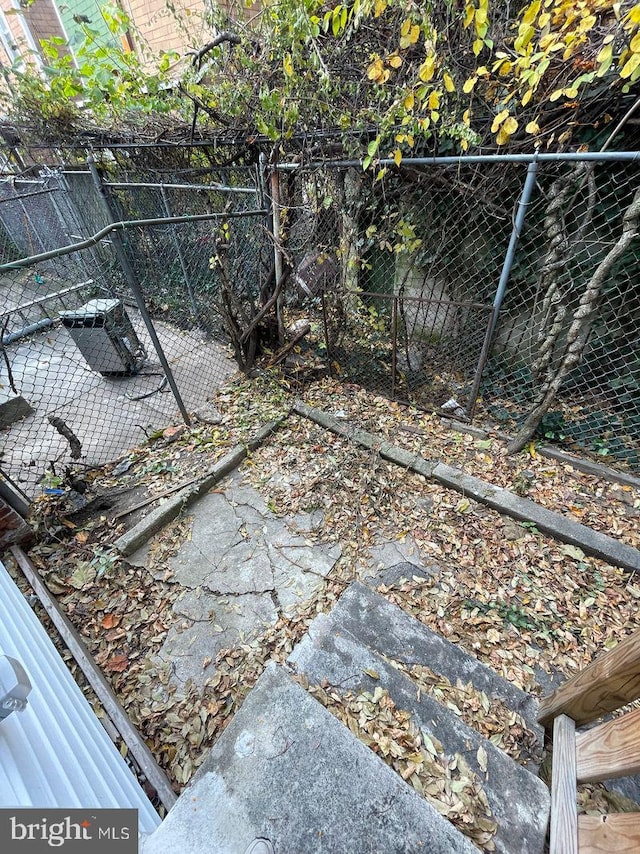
(38, 326)
(523, 204)
(47, 297)
(136, 290)
(566, 157)
(521, 213)
(28, 195)
(30, 260)
(221, 188)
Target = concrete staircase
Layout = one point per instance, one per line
(288, 770)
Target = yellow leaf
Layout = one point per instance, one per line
(469, 14)
(510, 126)
(380, 7)
(502, 115)
(526, 97)
(606, 54)
(634, 14)
(287, 64)
(395, 60)
(434, 100)
(502, 137)
(406, 26)
(397, 157)
(449, 85)
(434, 116)
(543, 20)
(375, 70)
(427, 69)
(525, 34)
(466, 117)
(477, 46)
(630, 66)
(587, 23)
(531, 12)
(409, 101)
(533, 127)
(634, 44)
(411, 35)
(554, 96)
(572, 92)
(469, 83)
(532, 450)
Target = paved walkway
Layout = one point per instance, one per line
(242, 567)
(108, 414)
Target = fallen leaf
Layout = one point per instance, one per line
(117, 663)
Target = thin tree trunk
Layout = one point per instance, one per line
(560, 250)
(578, 333)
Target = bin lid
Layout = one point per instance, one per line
(93, 309)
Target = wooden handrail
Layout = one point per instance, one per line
(609, 682)
(609, 750)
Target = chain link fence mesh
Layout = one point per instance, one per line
(574, 220)
(398, 273)
(394, 272)
(80, 378)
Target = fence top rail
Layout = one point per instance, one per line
(220, 188)
(571, 157)
(30, 260)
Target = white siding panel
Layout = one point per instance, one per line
(56, 753)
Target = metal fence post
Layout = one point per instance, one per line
(136, 290)
(523, 204)
(277, 250)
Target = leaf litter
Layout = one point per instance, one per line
(521, 602)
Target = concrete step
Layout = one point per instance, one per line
(519, 801)
(390, 631)
(287, 770)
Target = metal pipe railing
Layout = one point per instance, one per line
(88, 242)
(566, 157)
(220, 188)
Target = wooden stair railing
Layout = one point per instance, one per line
(608, 750)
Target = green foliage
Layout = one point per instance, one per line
(105, 85)
(395, 78)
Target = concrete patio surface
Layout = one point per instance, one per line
(51, 374)
(241, 567)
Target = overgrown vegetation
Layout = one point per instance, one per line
(393, 77)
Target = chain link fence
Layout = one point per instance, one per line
(91, 349)
(393, 280)
(399, 273)
(574, 222)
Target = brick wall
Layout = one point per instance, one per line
(160, 29)
(43, 20)
(13, 528)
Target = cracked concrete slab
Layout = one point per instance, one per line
(241, 567)
(211, 623)
(392, 552)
